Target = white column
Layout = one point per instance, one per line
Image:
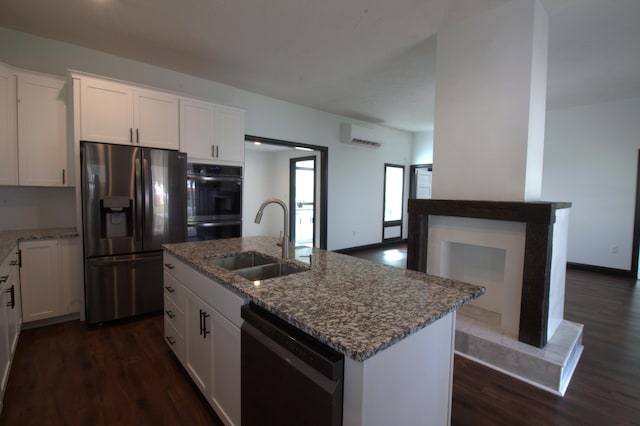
(490, 104)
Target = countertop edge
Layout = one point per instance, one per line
(10, 239)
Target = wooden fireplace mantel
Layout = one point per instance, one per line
(539, 218)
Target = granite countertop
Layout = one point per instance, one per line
(9, 239)
(353, 305)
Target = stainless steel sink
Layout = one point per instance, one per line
(272, 270)
(242, 260)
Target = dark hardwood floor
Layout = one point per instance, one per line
(120, 374)
(124, 374)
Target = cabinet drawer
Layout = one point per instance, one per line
(174, 339)
(215, 295)
(173, 266)
(174, 290)
(173, 314)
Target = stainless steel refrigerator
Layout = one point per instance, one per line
(134, 200)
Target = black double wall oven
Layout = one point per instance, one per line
(214, 201)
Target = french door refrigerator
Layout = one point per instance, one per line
(134, 201)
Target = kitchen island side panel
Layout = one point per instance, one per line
(409, 383)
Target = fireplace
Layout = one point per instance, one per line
(506, 246)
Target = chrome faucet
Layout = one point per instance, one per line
(285, 236)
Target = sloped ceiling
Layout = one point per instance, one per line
(372, 60)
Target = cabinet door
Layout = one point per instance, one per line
(71, 278)
(40, 280)
(229, 134)
(14, 312)
(225, 388)
(198, 341)
(156, 119)
(8, 140)
(196, 128)
(5, 354)
(42, 130)
(106, 111)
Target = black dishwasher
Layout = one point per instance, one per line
(288, 377)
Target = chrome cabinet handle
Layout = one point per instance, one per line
(170, 313)
(170, 289)
(169, 266)
(170, 340)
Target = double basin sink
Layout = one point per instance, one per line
(255, 266)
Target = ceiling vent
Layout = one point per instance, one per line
(357, 135)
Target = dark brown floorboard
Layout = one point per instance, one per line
(124, 374)
(119, 374)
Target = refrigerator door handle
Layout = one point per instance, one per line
(138, 189)
(149, 204)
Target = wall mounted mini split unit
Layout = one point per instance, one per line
(357, 135)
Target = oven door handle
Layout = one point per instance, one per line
(214, 224)
(202, 178)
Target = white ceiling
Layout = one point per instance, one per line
(372, 60)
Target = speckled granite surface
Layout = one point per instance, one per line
(353, 305)
(9, 239)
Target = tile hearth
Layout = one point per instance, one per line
(479, 337)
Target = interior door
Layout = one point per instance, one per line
(393, 202)
(303, 201)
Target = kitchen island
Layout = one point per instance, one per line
(395, 327)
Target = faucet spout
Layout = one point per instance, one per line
(285, 236)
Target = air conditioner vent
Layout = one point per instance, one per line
(358, 135)
(368, 144)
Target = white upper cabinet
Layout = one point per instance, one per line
(118, 113)
(42, 130)
(211, 132)
(155, 117)
(106, 111)
(8, 146)
(229, 133)
(33, 129)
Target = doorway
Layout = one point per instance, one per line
(393, 202)
(302, 199)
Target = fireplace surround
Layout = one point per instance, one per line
(538, 218)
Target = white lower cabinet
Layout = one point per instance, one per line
(10, 317)
(40, 279)
(51, 278)
(225, 387)
(198, 342)
(202, 327)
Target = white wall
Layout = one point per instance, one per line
(355, 174)
(267, 176)
(34, 207)
(590, 159)
(422, 148)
